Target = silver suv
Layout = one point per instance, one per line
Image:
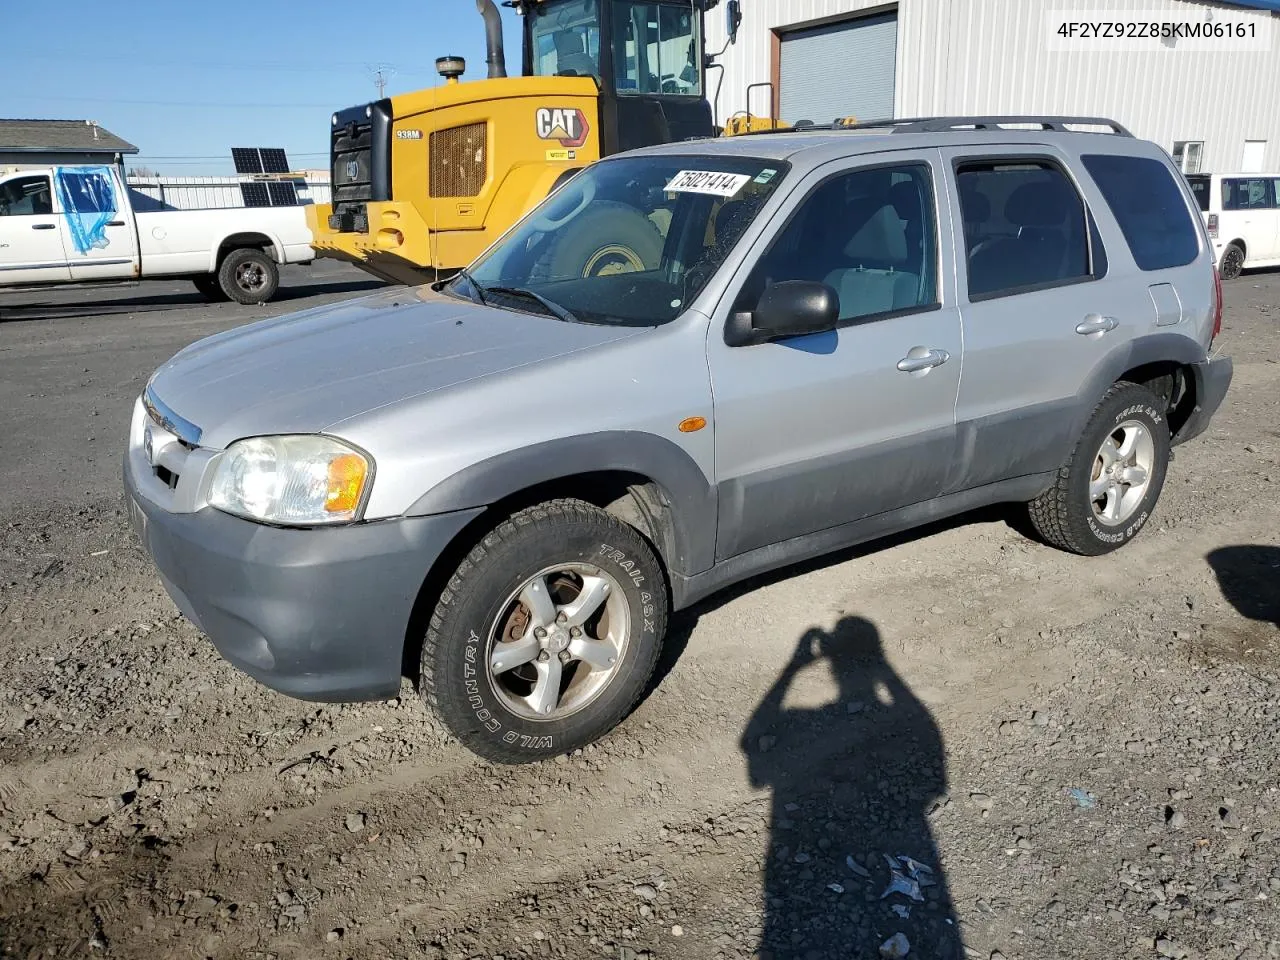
(690, 365)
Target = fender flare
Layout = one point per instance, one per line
(689, 498)
(274, 243)
(1153, 348)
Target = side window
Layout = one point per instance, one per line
(26, 197)
(871, 235)
(1150, 208)
(1025, 227)
(655, 49)
(1247, 193)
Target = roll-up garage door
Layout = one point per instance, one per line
(839, 70)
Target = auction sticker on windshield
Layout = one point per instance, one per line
(708, 182)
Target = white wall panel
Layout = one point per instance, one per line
(993, 56)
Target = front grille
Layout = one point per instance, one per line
(459, 161)
(351, 176)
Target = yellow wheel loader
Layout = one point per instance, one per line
(423, 182)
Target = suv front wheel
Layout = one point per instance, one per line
(547, 633)
(1106, 491)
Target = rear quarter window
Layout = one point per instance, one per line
(1150, 208)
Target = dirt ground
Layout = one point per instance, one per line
(1058, 757)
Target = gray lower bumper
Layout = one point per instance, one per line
(316, 614)
(1212, 380)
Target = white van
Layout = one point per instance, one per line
(1242, 212)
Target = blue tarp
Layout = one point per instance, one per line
(88, 203)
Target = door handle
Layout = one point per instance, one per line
(921, 359)
(1095, 324)
(44, 226)
(115, 223)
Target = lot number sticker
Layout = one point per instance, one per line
(708, 182)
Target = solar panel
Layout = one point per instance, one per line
(246, 159)
(274, 160)
(283, 193)
(255, 194)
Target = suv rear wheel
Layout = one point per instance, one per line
(1107, 490)
(545, 636)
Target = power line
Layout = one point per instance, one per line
(238, 105)
(327, 67)
(227, 156)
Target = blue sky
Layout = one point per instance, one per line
(187, 81)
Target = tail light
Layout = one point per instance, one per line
(1217, 305)
(1213, 226)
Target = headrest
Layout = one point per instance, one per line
(905, 197)
(1038, 205)
(975, 206)
(882, 238)
(568, 43)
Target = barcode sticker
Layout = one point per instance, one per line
(708, 182)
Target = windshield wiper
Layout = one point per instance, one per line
(549, 305)
(477, 290)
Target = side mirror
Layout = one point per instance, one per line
(733, 12)
(791, 308)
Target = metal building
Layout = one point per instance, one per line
(822, 59)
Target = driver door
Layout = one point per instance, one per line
(30, 232)
(817, 431)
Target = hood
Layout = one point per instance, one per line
(303, 372)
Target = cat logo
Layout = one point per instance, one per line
(567, 125)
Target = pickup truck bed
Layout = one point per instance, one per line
(76, 224)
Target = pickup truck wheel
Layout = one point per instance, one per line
(248, 276)
(1106, 492)
(208, 288)
(546, 634)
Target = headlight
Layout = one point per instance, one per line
(299, 481)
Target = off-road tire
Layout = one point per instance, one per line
(632, 233)
(1063, 514)
(1232, 263)
(455, 677)
(230, 278)
(208, 287)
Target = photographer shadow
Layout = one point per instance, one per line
(852, 784)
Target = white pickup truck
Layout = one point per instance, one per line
(76, 223)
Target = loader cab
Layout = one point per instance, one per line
(646, 56)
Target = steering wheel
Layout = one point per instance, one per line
(544, 221)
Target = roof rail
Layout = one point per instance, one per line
(1059, 124)
(945, 124)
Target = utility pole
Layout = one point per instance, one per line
(381, 81)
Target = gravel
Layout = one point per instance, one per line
(1081, 752)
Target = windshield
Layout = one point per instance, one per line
(1200, 187)
(629, 241)
(566, 39)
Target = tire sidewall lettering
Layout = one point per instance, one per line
(475, 686)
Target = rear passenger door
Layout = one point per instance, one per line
(816, 431)
(1039, 308)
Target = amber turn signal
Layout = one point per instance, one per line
(692, 424)
(346, 482)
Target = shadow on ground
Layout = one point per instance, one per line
(1249, 577)
(852, 868)
(53, 310)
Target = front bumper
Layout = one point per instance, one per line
(1212, 379)
(317, 614)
